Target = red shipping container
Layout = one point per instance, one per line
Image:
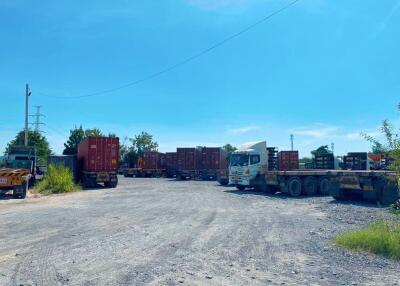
(151, 161)
(187, 159)
(288, 160)
(213, 158)
(376, 157)
(171, 161)
(98, 154)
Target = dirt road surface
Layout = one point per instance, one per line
(163, 232)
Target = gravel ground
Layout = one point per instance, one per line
(163, 232)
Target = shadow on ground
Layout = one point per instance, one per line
(353, 200)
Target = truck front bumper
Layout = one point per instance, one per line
(235, 180)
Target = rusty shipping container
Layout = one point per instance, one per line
(152, 161)
(187, 159)
(98, 154)
(171, 162)
(288, 160)
(213, 158)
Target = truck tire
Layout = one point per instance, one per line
(310, 186)
(386, 191)
(323, 186)
(240, 187)
(341, 195)
(260, 184)
(223, 182)
(20, 191)
(294, 186)
(88, 184)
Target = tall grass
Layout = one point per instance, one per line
(382, 238)
(58, 179)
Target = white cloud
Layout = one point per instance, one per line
(316, 131)
(356, 136)
(242, 130)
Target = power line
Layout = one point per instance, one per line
(183, 62)
(37, 116)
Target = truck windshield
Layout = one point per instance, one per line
(239, 160)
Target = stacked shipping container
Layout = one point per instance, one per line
(356, 161)
(288, 160)
(273, 159)
(324, 161)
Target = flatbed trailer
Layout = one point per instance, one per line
(151, 173)
(147, 173)
(375, 186)
(202, 174)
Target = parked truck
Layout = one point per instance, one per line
(98, 161)
(249, 169)
(18, 171)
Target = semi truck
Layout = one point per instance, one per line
(18, 171)
(98, 161)
(249, 169)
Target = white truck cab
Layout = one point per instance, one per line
(248, 164)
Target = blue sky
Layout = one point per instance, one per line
(322, 70)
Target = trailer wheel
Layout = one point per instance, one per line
(323, 187)
(386, 191)
(294, 186)
(240, 187)
(310, 186)
(88, 184)
(341, 195)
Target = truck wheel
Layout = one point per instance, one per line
(240, 187)
(294, 186)
(341, 195)
(386, 191)
(223, 182)
(88, 184)
(323, 187)
(261, 185)
(310, 186)
(20, 191)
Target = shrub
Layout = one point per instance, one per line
(58, 179)
(395, 208)
(382, 238)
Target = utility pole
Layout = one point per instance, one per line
(292, 141)
(333, 147)
(27, 94)
(37, 118)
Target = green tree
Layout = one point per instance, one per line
(391, 144)
(229, 148)
(141, 143)
(35, 139)
(321, 151)
(305, 160)
(144, 143)
(93, 132)
(77, 135)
